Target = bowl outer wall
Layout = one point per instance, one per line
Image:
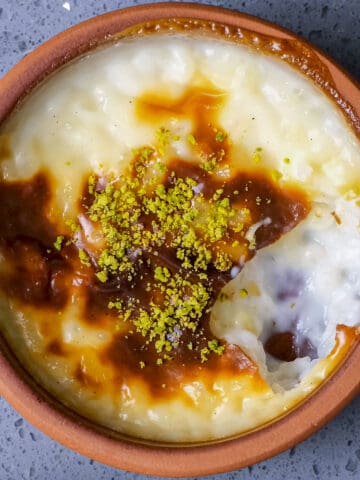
(70, 430)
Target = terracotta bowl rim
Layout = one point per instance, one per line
(69, 429)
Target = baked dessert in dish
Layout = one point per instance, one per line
(180, 233)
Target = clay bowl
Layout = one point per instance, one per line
(101, 444)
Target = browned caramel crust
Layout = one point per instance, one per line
(26, 238)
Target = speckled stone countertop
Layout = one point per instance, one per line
(334, 452)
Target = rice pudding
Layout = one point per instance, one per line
(179, 236)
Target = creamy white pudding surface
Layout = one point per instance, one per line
(180, 243)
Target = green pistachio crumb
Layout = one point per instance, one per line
(191, 139)
(91, 184)
(84, 258)
(276, 175)
(204, 354)
(215, 347)
(257, 155)
(238, 228)
(102, 276)
(162, 274)
(73, 225)
(222, 262)
(58, 242)
(161, 167)
(252, 244)
(217, 194)
(163, 136)
(209, 165)
(117, 305)
(220, 136)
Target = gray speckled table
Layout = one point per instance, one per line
(334, 452)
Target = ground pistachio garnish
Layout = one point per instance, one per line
(137, 225)
(162, 235)
(58, 242)
(257, 155)
(276, 175)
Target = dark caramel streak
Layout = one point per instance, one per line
(55, 347)
(36, 274)
(23, 210)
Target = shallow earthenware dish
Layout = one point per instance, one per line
(101, 444)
